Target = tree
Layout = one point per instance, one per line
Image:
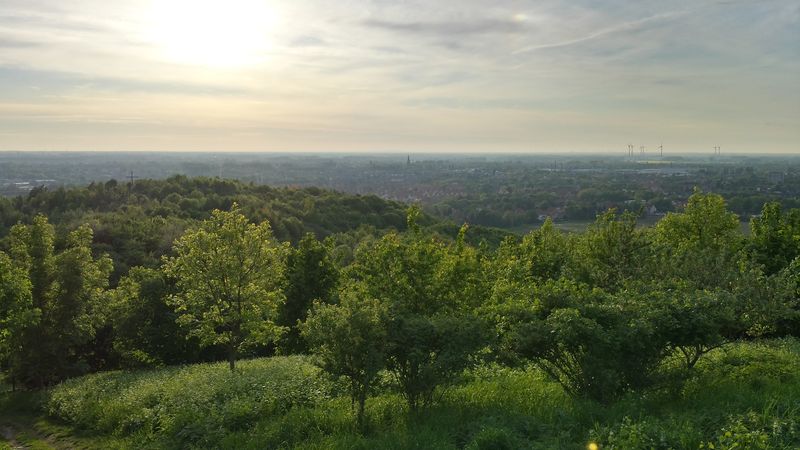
(145, 332)
(431, 332)
(768, 305)
(68, 289)
(775, 237)
(349, 340)
(543, 254)
(693, 322)
(16, 307)
(310, 275)
(611, 252)
(593, 344)
(693, 245)
(229, 275)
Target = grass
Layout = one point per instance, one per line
(744, 396)
(24, 424)
(194, 405)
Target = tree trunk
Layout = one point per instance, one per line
(232, 357)
(362, 397)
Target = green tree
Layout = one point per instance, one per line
(432, 332)
(774, 237)
(68, 288)
(311, 275)
(700, 244)
(145, 332)
(768, 305)
(229, 276)
(349, 340)
(594, 344)
(16, 307)
(543, 254)
(611, 252)
(693, 322)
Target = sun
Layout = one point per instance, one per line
(212, 33)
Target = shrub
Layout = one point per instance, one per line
(593, 344)
(492, 438)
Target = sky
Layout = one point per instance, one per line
(400, 75)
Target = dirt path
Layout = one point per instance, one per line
(22, 436)
(10, 436)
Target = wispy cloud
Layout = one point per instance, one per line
(308, 41)
(634, 25)
(12, 42)
(449, 28)
(378, 74)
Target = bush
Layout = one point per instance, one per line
(755, 431)
(492, 438)
(635, 435)
(595, 345)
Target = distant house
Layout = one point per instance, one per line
(553, 213)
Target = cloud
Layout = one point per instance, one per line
(427, 74)
(449, 28)
(308, 41)
(633, 25)
(9, 42)
(61, 83)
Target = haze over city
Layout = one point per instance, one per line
(373, 75)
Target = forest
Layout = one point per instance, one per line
(209, 313)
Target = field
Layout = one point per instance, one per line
(746, 395)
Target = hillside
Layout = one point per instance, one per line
(137, 223)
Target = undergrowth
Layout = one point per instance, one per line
(745, 395)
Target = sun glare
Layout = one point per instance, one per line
(212, 33)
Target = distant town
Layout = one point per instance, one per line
(507, 191)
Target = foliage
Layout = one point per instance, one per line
(543, 254)
(431, 334)
(68, 291)
(16, 306)
(700, 245)
(593, 344)
(774, 237)
(123, 211)
(747, 389)
(619, 320)
(687, 321)
(310, 275)
(229, 277)
(192, 405)
(145, 328)
(611, 252)
(349, 340)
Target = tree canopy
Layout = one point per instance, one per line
(229, 274)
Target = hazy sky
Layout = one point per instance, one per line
(404, 75)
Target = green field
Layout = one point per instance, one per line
(746, 395)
